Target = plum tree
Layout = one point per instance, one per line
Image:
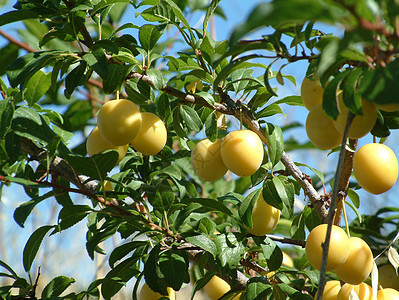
(209, 126)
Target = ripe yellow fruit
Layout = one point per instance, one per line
(331, 290)
(361, 124)
(311, 93)
(321, 130)
(207, 161)
(216, 288)
(96, 144)
(264, 217)
(363, 291)
(242, 152)
(147, 294)
(338, 251)
(152, 136)
(387, 277)
(287, 260)
(119, 121)
(375, 167)
(359, 263)
(388, 107)
(388, 294)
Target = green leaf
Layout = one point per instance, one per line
(116, 76)
(209, 12)
(203, 242)
(71, 215)
(207, 97)
(23, 211)
(96, 166)
(275, 144)
(279, 193)
(139, 91)
(6, 116)
(211, 205)
(156, 78)
(16, 16)
(351, 97)
(258, 288)
(57, 286)
(149, 35)
(174, 265)
(37, 86)
(121, 251)
(229, 249)
(272, 253)
(190, 118)
(291, 100)
(379, 85)
(8, 53)
(118, 277)
(211, 128)
(354, 198)
(75, 78)
(236, 64)
(246, 207)
(33, 244)
(269, 111)
(330, 104)
(317, 172)
(22, 69)
(151, 270)
(298, 226)
(179, 14)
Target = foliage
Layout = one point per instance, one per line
(78, 55)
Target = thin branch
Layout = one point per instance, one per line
(331, 212)
(344, 180)
(14, 41)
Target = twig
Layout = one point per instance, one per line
(331, 212)
(344, 180)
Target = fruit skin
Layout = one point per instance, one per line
(338, 251)
(375, 167)
(147, 294)
(207, 161)
(152, 136)
(287, 260)
(321, 130)
(388, 294)
(216, 288)
(242, 152)
(331, 290)
(361, 124)
(359, 263)
(96, 144)
(387, 277)
(119, 121)
(264, 217)
(363, 291)
(311, 93)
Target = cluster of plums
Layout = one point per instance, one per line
(120, 123)
(375, 165)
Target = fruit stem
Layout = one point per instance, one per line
(240, 117)
(346, 219)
